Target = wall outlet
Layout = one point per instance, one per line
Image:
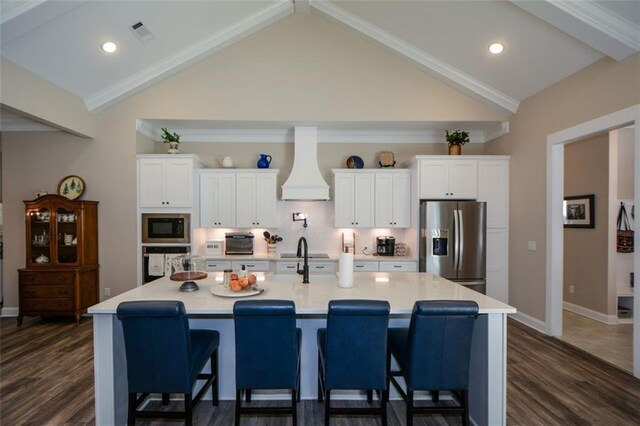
(107, 291)
(572, 289)
(531, 246)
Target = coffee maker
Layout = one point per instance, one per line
(385, 246)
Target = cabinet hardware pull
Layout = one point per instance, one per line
(319, 267)
(359, 266)
(397, 266)
(251, 266)
(290, 267)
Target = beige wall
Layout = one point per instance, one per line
(626, 168)
(586, 165)
(602, 88)
(300, 69)
(26, 92)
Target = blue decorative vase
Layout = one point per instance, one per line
(264, 161)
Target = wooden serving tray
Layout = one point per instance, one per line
(186, 276)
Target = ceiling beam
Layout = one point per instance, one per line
(590, 23)
(430, 64)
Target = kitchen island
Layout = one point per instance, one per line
(401, 289)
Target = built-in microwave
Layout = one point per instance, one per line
(166, 228)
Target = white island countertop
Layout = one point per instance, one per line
(401, 289)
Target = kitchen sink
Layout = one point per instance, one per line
(311, 256)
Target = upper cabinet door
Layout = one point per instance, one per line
(434, 179)
(217, 199)
(151, 175)
(343, 200)
(364, 200)
(225, 200)
(384, 200)
(463, 179)
(401, 199)
(246, 200)
(493, 187)
(266, 200)
(179, 183)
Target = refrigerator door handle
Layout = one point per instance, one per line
(460, 240)
(456, 246)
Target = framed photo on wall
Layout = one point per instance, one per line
(578, 211)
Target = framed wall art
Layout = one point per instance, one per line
(579, 212)
(71, 187)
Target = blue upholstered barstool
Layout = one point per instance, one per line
(433, 354)
(352, 354)
(267, 353)
(164, 356)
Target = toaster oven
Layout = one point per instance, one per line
(238, 243)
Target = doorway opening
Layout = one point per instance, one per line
(555, 224)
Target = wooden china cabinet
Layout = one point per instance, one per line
(61, 273)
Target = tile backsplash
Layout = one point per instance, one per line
(321, 234)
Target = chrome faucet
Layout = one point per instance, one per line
(302, 246)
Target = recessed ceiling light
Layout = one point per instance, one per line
(109, 47)
(496, 48)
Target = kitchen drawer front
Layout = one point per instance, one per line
(252, 266)
(314, 267)
(47, 291)
(322, 267)
(287, 267)
(46, 278)
(42, 304)
(217, 265)
(398, 266)
(365, 266)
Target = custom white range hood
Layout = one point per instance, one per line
(305, 183)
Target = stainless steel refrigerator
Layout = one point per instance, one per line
(453, 237)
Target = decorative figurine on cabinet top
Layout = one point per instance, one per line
(386, 159)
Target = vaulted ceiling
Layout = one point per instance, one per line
(545, 40)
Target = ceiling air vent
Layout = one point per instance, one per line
(142, 32)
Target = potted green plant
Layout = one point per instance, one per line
(173, 139)
(456, 139)
(271, 240)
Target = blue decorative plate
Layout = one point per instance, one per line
(355, 162)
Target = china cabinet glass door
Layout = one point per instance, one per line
(40, 233)
(67, 229)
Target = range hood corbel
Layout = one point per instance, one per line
(305, 183)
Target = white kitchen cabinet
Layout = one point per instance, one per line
(493, 187)
(238, 199)
(256, 199)
(166, 182)
(398, 266)
(354, 195)
(217, 199)
(448, 179)
(498, 264)
(392, 198)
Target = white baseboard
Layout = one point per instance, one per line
(530, 321)
(9, 312)
(590, 313)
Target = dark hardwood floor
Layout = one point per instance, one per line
(46, 378)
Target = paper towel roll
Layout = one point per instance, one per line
(345, 269)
